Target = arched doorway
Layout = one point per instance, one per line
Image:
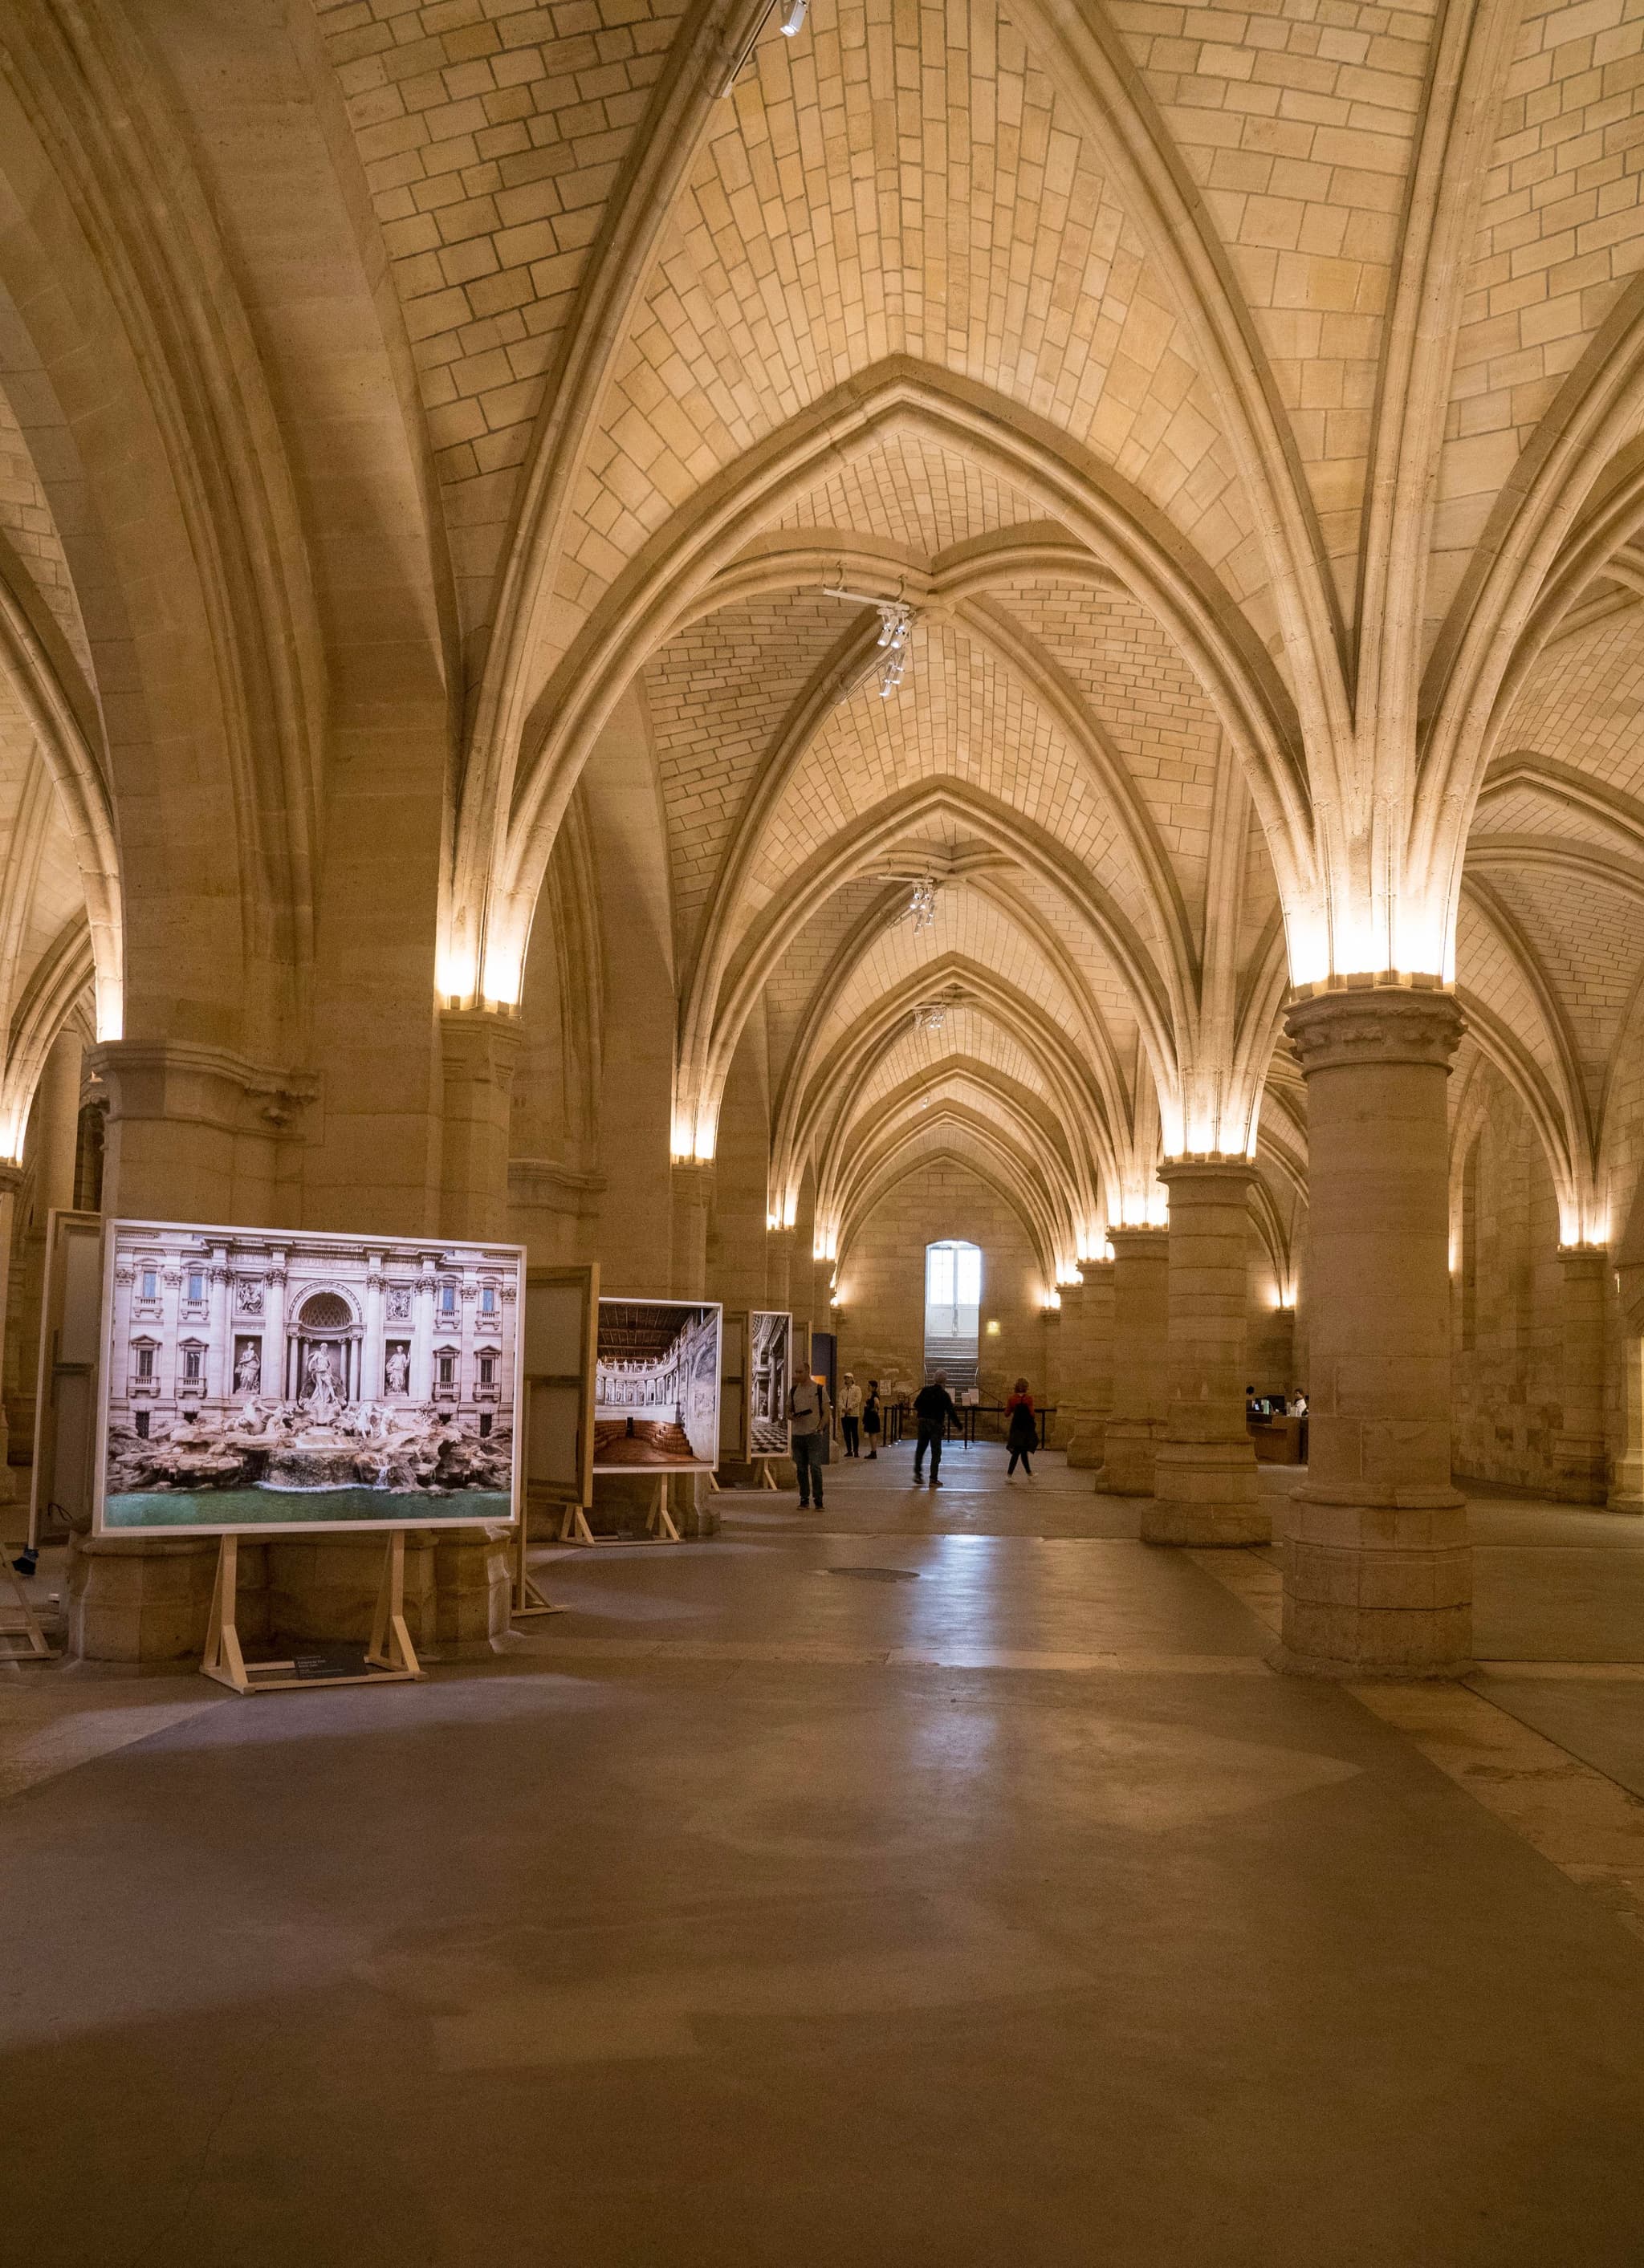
(953, 1308)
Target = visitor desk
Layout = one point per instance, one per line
(1279, 1440)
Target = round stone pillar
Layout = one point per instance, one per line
(693, 1200)
(1579, 1469)
(1089, 1448)
(1141, 1317)
(1204, 1484)
(1378, 1575)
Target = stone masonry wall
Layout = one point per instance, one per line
(882, 1331)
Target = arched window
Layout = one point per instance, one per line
(953, 1307)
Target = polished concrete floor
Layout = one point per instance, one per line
(937, 1880)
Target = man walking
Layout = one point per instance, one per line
(933, 1407)
(807, 1418)
(851, 1416)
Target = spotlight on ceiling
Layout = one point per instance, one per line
(921, 906)
(930, 1015)
(895, 628)
(794, 22)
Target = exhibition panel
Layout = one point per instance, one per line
(282, 1379)
(657, 1391)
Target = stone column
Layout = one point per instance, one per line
(1378, 1574)
(422, 1335)
(1093, 1349)
(693, 1194)
(778, 1268)
(373, 1353)
(11, 1181)
(1141, 1315)
(1626, 1488)
(480, 1048)
(1204, 1484)
(1579, 1475)
(274, 1327)
(219, 1357)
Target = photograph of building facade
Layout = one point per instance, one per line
(657, 1392)
(273, 1378)
(770, 1367)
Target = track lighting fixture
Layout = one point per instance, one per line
(794, 22)
(895, 627)
(930, 1015)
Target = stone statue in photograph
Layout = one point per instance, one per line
(321, 1396)
(399, 1369)
(249, 1371)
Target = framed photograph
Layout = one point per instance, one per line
(656, 1397)
(769, 1375)
(255, 1379)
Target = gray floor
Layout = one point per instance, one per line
(1003, 1909)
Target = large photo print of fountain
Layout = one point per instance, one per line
(260, 1379)
(656, 1401)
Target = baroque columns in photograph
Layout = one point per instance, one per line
(1378, 1575)
(1205, 1482)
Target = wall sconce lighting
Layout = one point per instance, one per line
(992, 1328)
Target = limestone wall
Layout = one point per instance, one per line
(882, 1281)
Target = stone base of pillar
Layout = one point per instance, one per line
(472, 1593)
(1377, 1591)
(1627, 1490)
(148, 1599)
(1206, 1493)
(1086, 1444)
(1128, 1450)
(1580, 1468)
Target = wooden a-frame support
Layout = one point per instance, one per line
(574, 1528)
(528, 1597)
(24, 1640)
(390, 1658)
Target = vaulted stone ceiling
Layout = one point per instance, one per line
(1246, 405)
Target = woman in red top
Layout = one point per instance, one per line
(1022, 1434)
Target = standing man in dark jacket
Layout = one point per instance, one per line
(933, 1407)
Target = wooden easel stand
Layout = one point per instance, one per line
(24, 1640)
(390, 1658)
(574, 1528)
(528, 1599)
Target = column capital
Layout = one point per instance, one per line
(1139, 1243)
(1373, 1021)
(481, 1045)
(10, 1180)
(213, 1086)
(1583, 1260)
(1232, 1177)
(693, 1176)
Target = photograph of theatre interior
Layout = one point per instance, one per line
(932, 710)
(656, 1400)
(770, 1345)
(295, 1380)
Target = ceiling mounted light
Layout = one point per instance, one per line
(794, 22)
(930, 1015)
(921, 906)
(895, 628)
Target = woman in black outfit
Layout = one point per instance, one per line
(1021, 1438)
(873, 1425)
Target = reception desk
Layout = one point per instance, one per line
(1279, 1440)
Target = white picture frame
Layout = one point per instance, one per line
(393, 1390)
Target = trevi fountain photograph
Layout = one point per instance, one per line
(278, 1378)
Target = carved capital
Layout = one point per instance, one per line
(1140, 1243)
(1229, 1178)
(10, 1180)
(1346, 1025)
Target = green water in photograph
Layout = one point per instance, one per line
(262, 1507)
